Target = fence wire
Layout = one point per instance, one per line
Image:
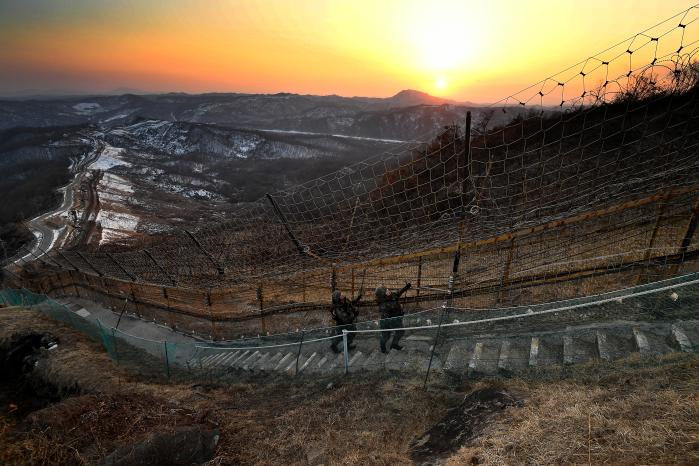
(582, 183)
(650, 320)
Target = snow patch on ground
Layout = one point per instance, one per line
(109, 158)
(114, 190)
(116, 225)
(113, 184)
(115, 117)
(117, 221)
(192, 191)
(198, 193)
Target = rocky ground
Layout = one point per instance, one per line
(69, 404)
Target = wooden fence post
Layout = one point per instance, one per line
(691, 228)
(133, 299)
(167, 305)
(466, 174)
(688, 235)
(261, 301)
(651, 242)
(352, 282)
(303, 283)
(75, 284)
(506, 271)
(419, 275)
(211, 313)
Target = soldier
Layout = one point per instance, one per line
(391, 315)
(344, 313)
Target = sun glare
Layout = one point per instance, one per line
(441, 83)
(442, 42)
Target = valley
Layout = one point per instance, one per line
(130, 166)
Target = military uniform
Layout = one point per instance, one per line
(391, 315)
(344, 312)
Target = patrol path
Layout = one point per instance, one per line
(484, 354)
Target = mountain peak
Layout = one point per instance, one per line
(408, 97)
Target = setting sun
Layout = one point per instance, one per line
(477, 50)
(440, 84)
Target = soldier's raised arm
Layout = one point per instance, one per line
(356, 300)
(404, 289)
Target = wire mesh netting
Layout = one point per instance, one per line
(585, 182)
(650, 320)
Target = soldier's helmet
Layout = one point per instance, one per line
(380, 293)
(336, 296)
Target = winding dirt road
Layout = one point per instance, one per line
(46, 236)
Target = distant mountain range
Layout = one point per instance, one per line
(405, 116)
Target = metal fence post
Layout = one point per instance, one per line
(445, 306)
(298, 354)
(167, 361)
(114, 343)
(303, 284)
(261, 301)
(346, 350)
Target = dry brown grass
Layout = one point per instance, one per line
(636, 415)
(644, 416)
(357, 422)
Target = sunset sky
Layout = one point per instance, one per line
(465, 50)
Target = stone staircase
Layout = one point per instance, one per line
(467, 354)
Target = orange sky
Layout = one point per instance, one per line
(466, 50)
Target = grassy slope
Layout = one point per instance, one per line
(614, 414)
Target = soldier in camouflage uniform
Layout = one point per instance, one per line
(391, 315)
(344, 313)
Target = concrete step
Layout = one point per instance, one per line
(515, 354)
(249, 362)
(616, 343)
(240, 355)
(458, 357)
(309, 360)
(485, 356)
(374, 361)
(337, 362)
(297, 361)
(228, 359)
(658, 339)
(356, 361)
(334, 363)
(478, 355)
(550, 351)
(579, 348)
(204, 361)
(409, 359)
(213, 360)
(283, 363)
(321, 363)
(257, 365)
(691, 330)
(681, 339)
(271, 362)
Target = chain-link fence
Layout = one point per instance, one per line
(649, 320)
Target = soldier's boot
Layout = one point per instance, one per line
(383, 342)
(396, 338)
(350, 338)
